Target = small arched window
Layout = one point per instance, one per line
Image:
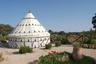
(29, 31)
(28, 40)
(26, 24)
(40, 39)
(35, 40)
(34, 31)
(21, 40)
(24, 31)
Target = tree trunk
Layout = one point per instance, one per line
(77, 53)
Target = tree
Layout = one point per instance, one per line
(5, 29)
(94, 21)
(61, 32)
(50, 31)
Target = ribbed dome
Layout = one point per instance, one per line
(29, 27)
(29, 32)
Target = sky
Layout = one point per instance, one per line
(57, 15)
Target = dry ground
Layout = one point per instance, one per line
(11, 57)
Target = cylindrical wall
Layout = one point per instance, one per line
(34, 42)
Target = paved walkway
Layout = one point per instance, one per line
(12, 58)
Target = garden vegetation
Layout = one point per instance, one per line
(25, 49)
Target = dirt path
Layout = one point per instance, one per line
(13, 58)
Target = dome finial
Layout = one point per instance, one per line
(29, 11)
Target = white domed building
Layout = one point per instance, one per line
(29, 32)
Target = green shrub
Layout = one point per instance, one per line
(84, 41)
(93, 41)
(25, 49)
(64, 41)
(89, 41)
(48, 46)
(58, 43)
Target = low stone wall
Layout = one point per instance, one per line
(90, 46)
